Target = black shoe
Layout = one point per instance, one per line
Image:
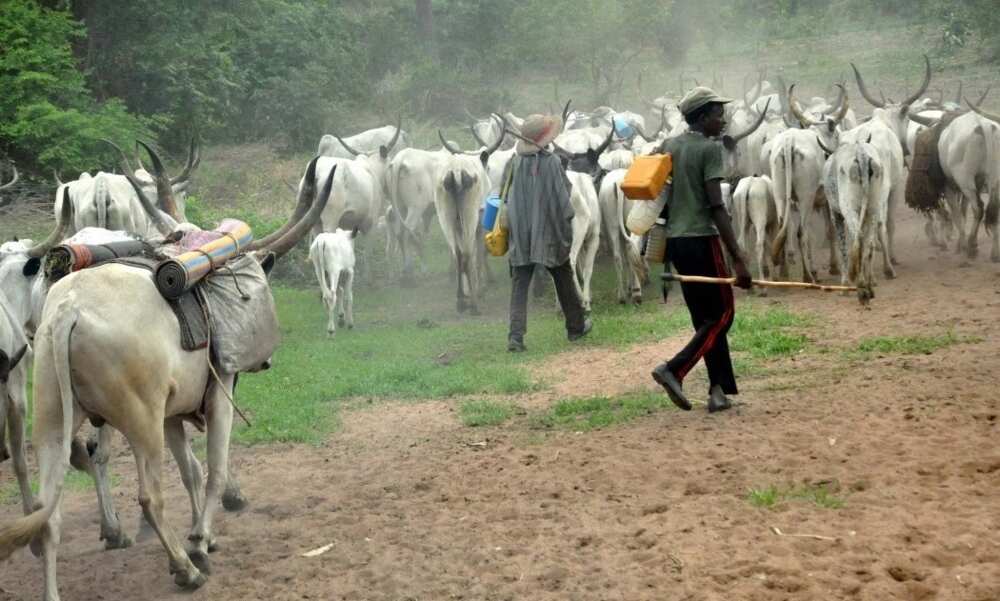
(717, 400)
(588, 325)
(665, 378)
(516, 346)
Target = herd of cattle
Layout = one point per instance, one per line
(790, 163)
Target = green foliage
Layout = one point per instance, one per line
(908, 345)
(818, 494)
(764, 334)
(48, 118)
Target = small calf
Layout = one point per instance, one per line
(332, 255)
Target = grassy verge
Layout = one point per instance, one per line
(600, 411)
(771, 496)
(76, 481)
(476, 413)
(907, 345)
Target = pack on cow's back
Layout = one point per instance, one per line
(927, 180)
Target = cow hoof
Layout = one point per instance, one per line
(234, 501)
(331, 333)
(834, 271)
(4, 454)
(190, 580)
(474, 311)
(118, 540)
(200, 561)
(340, 321)
(890, 274)
(350, 326)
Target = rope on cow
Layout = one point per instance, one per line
(215, 374)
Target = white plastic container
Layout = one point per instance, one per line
(644, 213)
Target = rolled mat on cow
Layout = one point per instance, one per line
(198, 254)
(67, 258)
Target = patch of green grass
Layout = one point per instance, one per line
(600, 412)
(818, 494)
(908, 345)
(485, 413)
(76, 481)
(767, 333)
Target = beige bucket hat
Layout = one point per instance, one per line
(540, 130)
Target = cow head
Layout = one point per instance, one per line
(585, 162)
(894, 114)
(378, 161)
(827, 127)
(483, 153)
(20, 266)
(730, 142)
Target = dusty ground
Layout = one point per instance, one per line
(656, 509)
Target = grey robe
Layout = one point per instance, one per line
(539, 211)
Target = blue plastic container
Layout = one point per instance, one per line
(490, 209)
(623, 128)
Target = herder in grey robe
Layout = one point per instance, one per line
(540, 217)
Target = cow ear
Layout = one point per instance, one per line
(484, 157)
(729, 143)
(383, 152)
(267, 263)
(831, 125)
(31, 267)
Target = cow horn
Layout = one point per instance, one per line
(193, 160)
(496, 145)
(803, 119)
(13, 181)
(565, 113)
(451, 147)
(285, 243)
(607, 142)
(823, 146)
(753, 128)
(663, 119)
(923, 87)
(922, 120)
(304, 200)
(982, 98)
(164, 191)
(395, 137)
(154, 213)
(845, 105)
(640, 133)
(472, 129)
(65, 216)
(959, 96)
(864, 89)
(983, 112)
(55, 175)
(841, 98)
(347, 146)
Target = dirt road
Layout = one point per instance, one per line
(657, 509)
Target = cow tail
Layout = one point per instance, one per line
(865, 218)
(20, 532)
(101, 201)
(636, 261)
(991, 139)
(778, 247)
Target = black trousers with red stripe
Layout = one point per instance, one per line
(711, 307)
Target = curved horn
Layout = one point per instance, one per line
(451, 147)
(607, 142)
(285, 243)
(496, 145)
(803, 119)
(845, 105)
(164, 191)
(346, 146)
(864, 89)
(305, 198)
(642, 134)
(65, 216)
(13, 181)
(753, 128)
(959, 96)
(841, 98)
(823, 146)
(193, 160)
(923, 87)
(55, 175)
(472, 129)
(983, 112)
(565, 113)
(154, 214)
(395, 137)
(922, 120)
(982, 98)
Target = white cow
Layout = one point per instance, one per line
(332, 256)
(858, 199)
(366, 142)
(796, 168)
(624, 246)
(755, 212)
(412, 183)
(970, 158)
(586, 225)
(14, 398)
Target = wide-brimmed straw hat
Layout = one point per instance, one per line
(540, 130)
(699, 97)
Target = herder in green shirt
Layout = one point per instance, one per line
(697, 227)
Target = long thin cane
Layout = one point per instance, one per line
(699, 279)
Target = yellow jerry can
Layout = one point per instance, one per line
(645, 178)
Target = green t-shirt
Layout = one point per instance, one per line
(696, 160)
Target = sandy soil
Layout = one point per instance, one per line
(656, 509)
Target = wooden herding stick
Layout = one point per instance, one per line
(699, 279)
